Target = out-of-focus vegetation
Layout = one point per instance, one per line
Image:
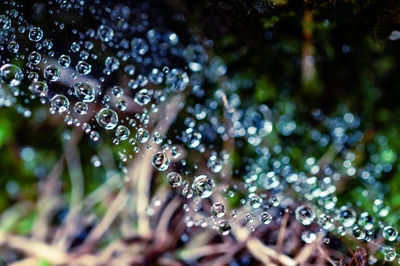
(299, 58)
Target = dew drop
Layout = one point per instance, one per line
(390, 233)
(11, 75)
(84, 92)
(107, 118)
(218, 209)
(265, 218)
(160, 161)
(174, 179)
(35, 34)
(39, 88)
(52, 73)
(122, 132)
(304, 215)
(203, 186)
(60, 103)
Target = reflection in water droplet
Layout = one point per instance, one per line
(35, 34)
(203, 186)
(305, 215)
(39, 88)
(107, 118)
(84, 91)
(174, 179)
(11, 75)
(60, 103)
(160, 161)
(52, 73)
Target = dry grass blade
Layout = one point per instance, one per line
(326, 256)
(34, 248)
(282, 230)
(305, 253)
(107, 220)
(47, 200)
(140, 172)
(161, 231)
(265, 254)
(198, 252)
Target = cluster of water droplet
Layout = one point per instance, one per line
(112, 80)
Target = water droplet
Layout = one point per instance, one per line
(107, 118)
(192, 138)
(83, 68)
(390, 254)
(142, 97)
(142, 135)
(139, 46)
(35, 34)
(13, 47)
(95, 136)
(203, 186)
(95, 160)
(52, 73)
(174, 179)
(5, 22)
(81, 108)
(304, 215)
(214, 164)
(224, 227)
(269, 180)
(265, 218)
(160, 161)
(177, 79)
(122, 132)
(105, 33)
(326, 222)
(117, 91)
(218, 209)
(11, 75)
(347, 216)
(187, 192)
(366, 221)
(64, 61)
(390, 233)
(112, 63)
(308, 237)
(255, 201)
(34, 58)
(84, 92)
(60, 103)
(358, 232)
(121, 105)
(39, 88)
(249, 217)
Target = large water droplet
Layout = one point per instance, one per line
(11, 75)
(160, 161)
(218, 209)
(174, 179)
(142, 97)
(107, 118)
(60, 103)
(203, 186)
(84, 91)
(35, 34)
(39, 88)
(105, 33)
(304, 215)
(52, 73)
(122, 132)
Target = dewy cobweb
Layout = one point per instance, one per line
(130, 79)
